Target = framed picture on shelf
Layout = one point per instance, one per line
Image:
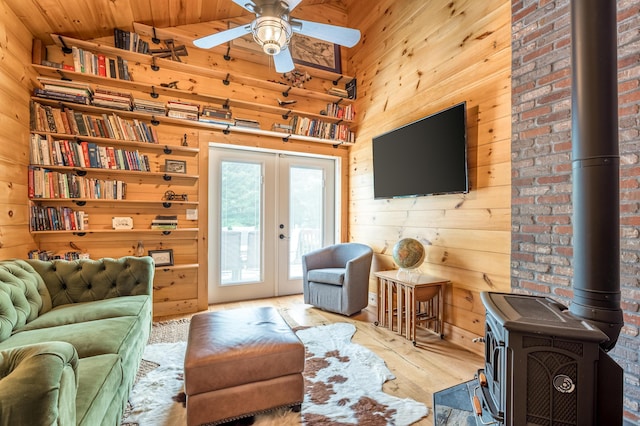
(175, 166)
(315, 53)
(162, 257)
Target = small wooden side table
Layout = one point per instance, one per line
(407, 299)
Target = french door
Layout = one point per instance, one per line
(267, 210)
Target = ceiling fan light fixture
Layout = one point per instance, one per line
(271, 33)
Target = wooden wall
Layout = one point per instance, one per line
(15, 80)
(415, 59)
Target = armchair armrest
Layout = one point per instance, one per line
(38, 384)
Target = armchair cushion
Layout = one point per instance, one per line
(327, 275)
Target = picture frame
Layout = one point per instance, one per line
(162, 257)
(316, 53)
(175, 166)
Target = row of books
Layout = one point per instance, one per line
(66, 91)
(48, 152)
(213, 115)
(50, 255)
(320, 129)
(131, 41)
(149, 107)
(247, 122)
(87, 62)
(45, 183)
(47, 218)
(344, 112)
(164, 222)
(46, 118)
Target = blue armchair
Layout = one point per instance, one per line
(336, 278)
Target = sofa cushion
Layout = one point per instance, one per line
(90, 311)
(100, 378)
(105, 336)
(327, 275)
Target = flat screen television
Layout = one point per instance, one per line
(425, 157)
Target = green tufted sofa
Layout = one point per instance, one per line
(71, 338)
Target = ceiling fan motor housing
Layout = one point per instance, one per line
(272, 33)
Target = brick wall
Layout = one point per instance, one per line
(541, 253)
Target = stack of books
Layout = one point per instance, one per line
(216, 115)
(164, 222)
(99, 64)
(336, 91)
(184, 110)
(149, 107)
(67, 91)
(247, 122)
(283, 128)
(111, 98)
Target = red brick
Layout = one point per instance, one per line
(539, 288)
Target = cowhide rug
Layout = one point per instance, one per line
(343, 386)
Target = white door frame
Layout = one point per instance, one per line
(269, 222)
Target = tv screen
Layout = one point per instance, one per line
(425, 157)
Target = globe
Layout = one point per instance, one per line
(408, 253)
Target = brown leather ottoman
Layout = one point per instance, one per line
(239, 363)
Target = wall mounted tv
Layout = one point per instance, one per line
(425, 157)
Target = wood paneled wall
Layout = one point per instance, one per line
(415, 59)
(15, 80)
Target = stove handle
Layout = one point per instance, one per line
(477, 407)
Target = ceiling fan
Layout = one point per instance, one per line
(273, 27)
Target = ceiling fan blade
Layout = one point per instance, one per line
(246, 4)
(283, 61)
(293, 4)
(339, 35)
(216, 39)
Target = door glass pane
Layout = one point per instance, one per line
(241, 215)
(306, 187)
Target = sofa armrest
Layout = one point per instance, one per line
(38, 384)
(87, 280)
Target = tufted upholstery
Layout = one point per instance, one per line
(23, 296)
(88, 280)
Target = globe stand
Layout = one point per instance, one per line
(409, 274)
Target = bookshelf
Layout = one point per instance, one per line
(277, 89)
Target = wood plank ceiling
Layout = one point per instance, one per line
(96, 18)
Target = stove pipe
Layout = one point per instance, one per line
(596, 163)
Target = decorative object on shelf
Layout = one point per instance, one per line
(285, 103)
(175, 166)
(297, 78)
(122, 222)
(352, 89)
(162, 257)
(172, 196)
(166, 223)
(272, 30)
(408, 253)
(170, 51)
(139, 251)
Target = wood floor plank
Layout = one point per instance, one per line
(434, 364)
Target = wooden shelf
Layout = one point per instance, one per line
(146, 30)
(120, 231)
(189, 123)
(127, 203)
(178, 267)
(153, 147)
(176, 93)
(167, 178)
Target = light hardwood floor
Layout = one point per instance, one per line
(432, 365)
